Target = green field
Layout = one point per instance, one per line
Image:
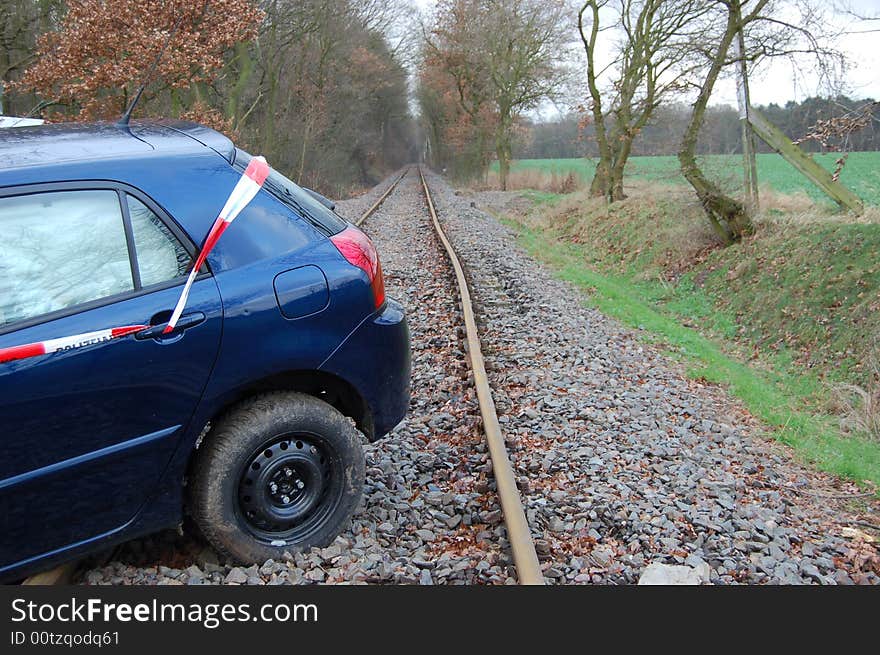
(861, 173)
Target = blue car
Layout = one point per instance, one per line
(248, 416)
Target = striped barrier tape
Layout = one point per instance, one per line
(245, 191)
(247, 187)
(67, 343)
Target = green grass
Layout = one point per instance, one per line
(542, 197)
(861, 173)
(784, 400)
(802, 295)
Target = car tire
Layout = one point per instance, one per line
(279, 472)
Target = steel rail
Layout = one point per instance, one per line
(381, 199)
(522, 546)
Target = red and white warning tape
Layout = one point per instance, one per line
(248, 186)
(67, 343)
(245, 191)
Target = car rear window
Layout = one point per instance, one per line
(297, 198)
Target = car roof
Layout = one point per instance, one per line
(49, 144)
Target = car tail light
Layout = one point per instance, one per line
(357, 248)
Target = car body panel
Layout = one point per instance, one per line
(386, 381)
(301, 291)
(82, 143)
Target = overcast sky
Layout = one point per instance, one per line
(778, 81)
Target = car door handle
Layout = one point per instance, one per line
(184, 323)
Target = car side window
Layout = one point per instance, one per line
(160, 256)
(60, 249)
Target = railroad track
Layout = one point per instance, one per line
(521, 544)
(380, 200)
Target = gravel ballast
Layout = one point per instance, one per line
(622, 461)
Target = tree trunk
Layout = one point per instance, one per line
(728, 217)
(601, 179)
(245, 68)
(267, 128)
(503, 150)
(615, 192)
(267, 131)
(302, 154)
(608, 177)
(601, 184)
(503, 171)
(615, 183)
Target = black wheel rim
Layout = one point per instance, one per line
(289, 488)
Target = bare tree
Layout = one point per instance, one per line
(767, 34)
(507, 54)
(654, 61)
(21, 21)
(524, 57)
(453, 68)
(868, 19)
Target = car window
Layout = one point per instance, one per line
(160, 256)
(293, 195)
(60, 249)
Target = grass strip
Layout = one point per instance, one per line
(778, 403)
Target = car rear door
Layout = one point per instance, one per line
(85, 433)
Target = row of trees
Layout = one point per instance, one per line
(485, 63)
(570, 136)
(323, 91)
(320, 86)
(315, 85)
(638, 58)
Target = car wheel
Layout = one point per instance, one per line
(281, 471)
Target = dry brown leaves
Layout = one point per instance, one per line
(103, 49)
